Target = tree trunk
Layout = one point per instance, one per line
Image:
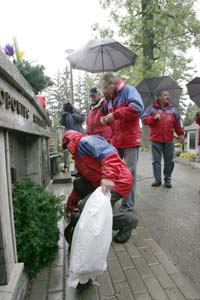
(147, 37)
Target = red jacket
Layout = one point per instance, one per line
(127, 107)
(97, 159)
(198, 122)
(162, 130)
(93, 124)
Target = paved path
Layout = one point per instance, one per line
(137, 270)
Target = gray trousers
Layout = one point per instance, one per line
(130, 156)
(167, 151)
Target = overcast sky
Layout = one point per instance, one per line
(46, 28)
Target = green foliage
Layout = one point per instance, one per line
(34, 75)
(191, 111)
(159, 32)
(36, 214)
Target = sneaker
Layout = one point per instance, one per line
(156, 183)
(168, 184)
(83, 286)
(125, 232)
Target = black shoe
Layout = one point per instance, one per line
(125, 232)
(83, 286)
(168, 184)
(156, 183)
(68, 233)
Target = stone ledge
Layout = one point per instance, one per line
(16, 288)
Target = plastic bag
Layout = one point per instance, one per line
(91, 239)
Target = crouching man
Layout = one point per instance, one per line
(98, 163)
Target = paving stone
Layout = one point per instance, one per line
(106, 288)
(39, 284)
(143, 233)
(89, 294)
(148, 256)
(43, 275)
(135, 281)
(185, 286)
(70, 293)
(118, 247)
(123, 291)
(162, 276)
(166, 263)
(110, 298)
(55, 296)
(142, 266)
(111, 254)
(125, 260)
(174, 294)
(38, 294)
(132, 249)
(144, 296)
(58, 260)
(154, 246)
(115, 271)
(155, 289)
(139, 241)
(55, 281)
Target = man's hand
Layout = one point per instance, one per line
(157, 117)
(106, 119)
(181, 139)
(106, 185)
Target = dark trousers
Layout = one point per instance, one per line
(167, 150)
(84, 188)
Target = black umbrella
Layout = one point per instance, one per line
(193, 88)
(150, 88)
(103, 55)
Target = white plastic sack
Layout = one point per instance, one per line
(91, 239)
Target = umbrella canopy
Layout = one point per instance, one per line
(104, 55)
(193, 88)
(150, 88)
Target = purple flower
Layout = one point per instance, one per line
(9, 50)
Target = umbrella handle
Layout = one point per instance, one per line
(102, 59)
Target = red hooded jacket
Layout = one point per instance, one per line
(162, 130)
(93, 124)
(96, 159)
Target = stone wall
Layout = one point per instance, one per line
(24, 134)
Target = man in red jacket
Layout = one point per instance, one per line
(125, 106)
(97, 110)
(163, 119)
(98, 163)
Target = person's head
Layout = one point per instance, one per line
(95, 95)
(68, 107)
(163, 97)
(108, 82)
(70, 140)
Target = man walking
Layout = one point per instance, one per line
(125, 106)
(163, 119)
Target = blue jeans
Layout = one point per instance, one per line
(167, 150)
(130, 156)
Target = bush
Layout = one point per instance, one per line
(36, 214)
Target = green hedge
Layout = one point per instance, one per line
(36, 214)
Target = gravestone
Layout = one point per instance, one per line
(24, 134)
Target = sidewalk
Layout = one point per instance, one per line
(137, 270)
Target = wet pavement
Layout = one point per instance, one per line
(172, 216)
(155, 264)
